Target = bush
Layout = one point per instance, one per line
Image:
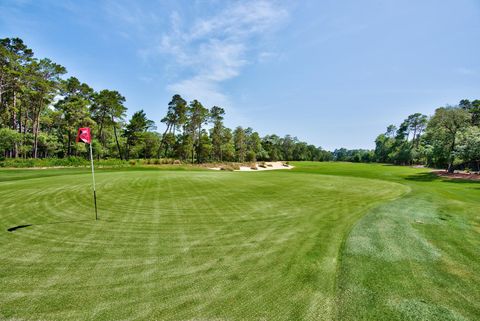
(132, 162)
(229, 167)
(72, 161)
(45, 162)
(251, 156)
(177, 162)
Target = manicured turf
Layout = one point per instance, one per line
(324, 241)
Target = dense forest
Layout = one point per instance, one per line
(41, 110)
(449, 139)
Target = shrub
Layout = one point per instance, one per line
(72, 161)
(45, 162)
(229, 167)
(132, 162)
(177, 162)
(251, 156)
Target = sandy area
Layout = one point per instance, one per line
(267, 166)
(458, 175)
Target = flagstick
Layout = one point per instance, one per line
(93, 178)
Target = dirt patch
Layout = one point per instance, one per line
(458, 175)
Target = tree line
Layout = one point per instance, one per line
(450, 138)
(41, 110)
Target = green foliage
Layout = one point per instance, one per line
(135, 130)
(353, 155)
(468, 148)
(8, 139)
(447, 139)
(46, 110)
(443, 128)
(251, 156)
(71, 161)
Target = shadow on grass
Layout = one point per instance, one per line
(423, 177)
(431, 177)
(13, 229)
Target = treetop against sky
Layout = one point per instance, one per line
(321, 70)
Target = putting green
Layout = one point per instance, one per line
(205, 245)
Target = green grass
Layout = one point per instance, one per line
(324, 241)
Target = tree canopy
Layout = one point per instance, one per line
(40, 112)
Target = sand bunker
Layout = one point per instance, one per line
(263, 166)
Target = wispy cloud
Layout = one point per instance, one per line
(212, 50)
(131, 18)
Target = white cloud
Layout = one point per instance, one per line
(214, 49)
(202, 89)
(240, 20)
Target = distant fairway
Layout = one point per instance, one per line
(324, 241)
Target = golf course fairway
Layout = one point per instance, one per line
(324, 241)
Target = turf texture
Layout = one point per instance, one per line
(325, 241)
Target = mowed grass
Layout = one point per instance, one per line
(324, 241)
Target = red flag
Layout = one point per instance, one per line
(84, 135)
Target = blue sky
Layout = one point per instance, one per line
(333, 73)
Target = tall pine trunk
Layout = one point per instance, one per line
(36, 131)
(162, 141)
(450, 168)
(198, 143)
(116, 139)
(15, 147)
(69, 148)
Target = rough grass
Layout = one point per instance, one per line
(321, 242)
(413, 258)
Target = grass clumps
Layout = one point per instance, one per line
(72, 161)
(229, 167)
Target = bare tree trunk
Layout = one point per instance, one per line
(14, 122)
(127, 151)
(25, 133)
(116, 139)
(163, 141)
(198, 143)
(450, 168)
(69, 147)
(37, 128)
